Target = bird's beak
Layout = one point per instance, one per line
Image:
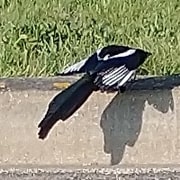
(148, 54)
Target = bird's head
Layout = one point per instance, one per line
(142, 55)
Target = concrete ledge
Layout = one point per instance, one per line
(46, 84)
(141, 126)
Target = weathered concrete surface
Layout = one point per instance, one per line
(141, 126)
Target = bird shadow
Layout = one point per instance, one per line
(121, 121)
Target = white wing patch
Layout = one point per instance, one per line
(124, 54)
(75, 67)
(120, 75)
(113, 73)
(98, 52)
(128, 76)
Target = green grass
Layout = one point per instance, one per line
(40, 37)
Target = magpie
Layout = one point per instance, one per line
(107, 69)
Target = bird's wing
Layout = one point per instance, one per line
(75, 68)
(114, 51)
(116, 77)
(121, 54)
(83, 66)
(101, 55)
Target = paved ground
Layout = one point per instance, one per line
(95, 174)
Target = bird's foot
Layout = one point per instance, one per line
(121, 89)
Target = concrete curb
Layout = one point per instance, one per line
(46, 83)
(139, 127)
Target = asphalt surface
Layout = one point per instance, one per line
(91, 173)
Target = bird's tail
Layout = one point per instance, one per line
(66, 103)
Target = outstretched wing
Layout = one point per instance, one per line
(101, 55)
(75, 68)
(83, 66)
(109, 57)
(115, 78)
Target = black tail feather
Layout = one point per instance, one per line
(46, 125)
(66, 103)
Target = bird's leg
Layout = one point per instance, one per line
(119, 89)
(131, 82)
(134, 78)
(122, 89)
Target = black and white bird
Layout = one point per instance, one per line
(107, 69)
